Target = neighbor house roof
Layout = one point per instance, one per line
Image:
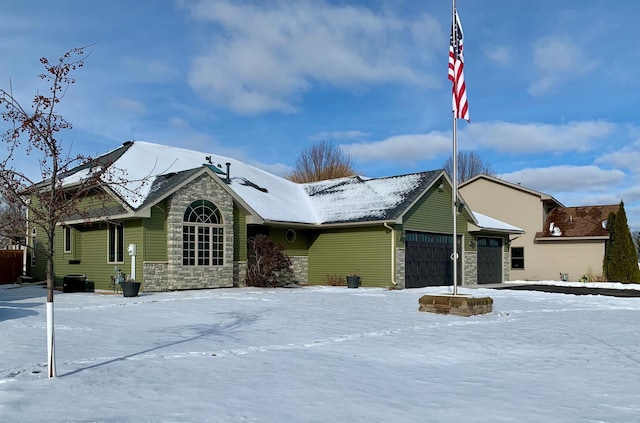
(577, 222)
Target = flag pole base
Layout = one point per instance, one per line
(458, 305)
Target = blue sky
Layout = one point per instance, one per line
(551, 84)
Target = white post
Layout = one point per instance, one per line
(51, 354)
(132, 252)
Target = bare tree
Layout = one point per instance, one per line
(323, 160)
(49, 199)
(12, 222)
(470, 164)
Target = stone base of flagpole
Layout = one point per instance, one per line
(458, 305)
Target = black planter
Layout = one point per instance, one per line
(130, 289)
(353, 281)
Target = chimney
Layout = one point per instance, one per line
(228, 174)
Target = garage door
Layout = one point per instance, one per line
(489, 260)
(428, 259)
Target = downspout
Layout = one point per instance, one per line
(393, 254)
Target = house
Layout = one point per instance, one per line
(558, 243)
(183, 219)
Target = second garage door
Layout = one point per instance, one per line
(489, 260)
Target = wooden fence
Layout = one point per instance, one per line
(10, 265)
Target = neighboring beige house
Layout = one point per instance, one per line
(559, 242)
(573, 240)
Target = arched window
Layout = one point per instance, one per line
(202, 235)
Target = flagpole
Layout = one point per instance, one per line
(454, 256)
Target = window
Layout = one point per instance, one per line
(517, 257)
(67, 239)
(116, 243)
(202, 235)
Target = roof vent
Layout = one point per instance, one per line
(554, 230)
(127, 143)
(228, 172)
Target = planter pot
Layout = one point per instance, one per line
(353, 281)
(130, 289)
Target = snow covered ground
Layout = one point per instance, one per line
(319, 354)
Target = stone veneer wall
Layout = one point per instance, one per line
(155, 275)
(400, 268)
(300, 268)
(506, 265)
(470, 268)
(195, 277)
(239, 273)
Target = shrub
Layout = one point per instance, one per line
(334, 280)
(267, 262)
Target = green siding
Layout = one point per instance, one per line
(91, 251)
(299, 247)
(239, 234)
(39, 271)
(432, 213)
(154, 245)
(85, 248)
(362, 250)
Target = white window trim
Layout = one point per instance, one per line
(209, 227)
(67, 236)
(115, 252)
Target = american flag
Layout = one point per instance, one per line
(460, 106)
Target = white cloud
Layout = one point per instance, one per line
(536, 137)
(266, 55)
(558, 60)
(339, 135)
(402, 148)
(628, 158)
(147, 70)
(500, 55)
(566, 178)
(128, 105)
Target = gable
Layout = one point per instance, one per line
(521, 208)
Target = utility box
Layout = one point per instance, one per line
(74, 283)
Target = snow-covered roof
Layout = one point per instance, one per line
(152, 170)
(148, 172)
(272, 197)
(358, 199)
(489, 223)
